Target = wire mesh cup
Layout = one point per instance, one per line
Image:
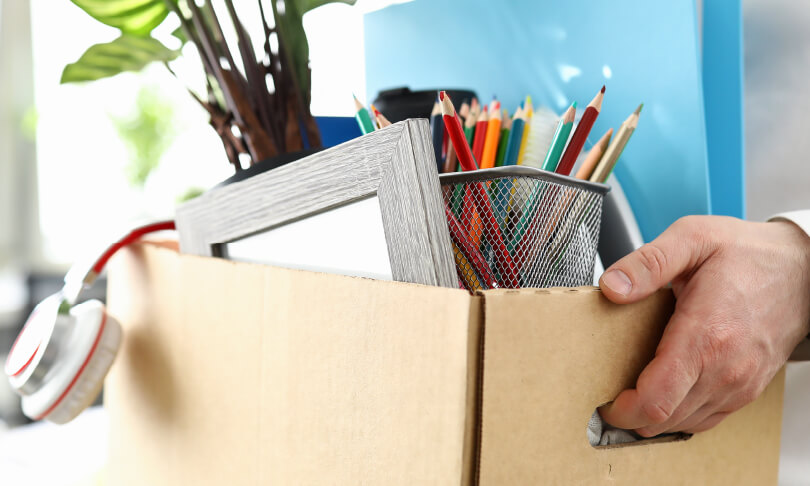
(515, 227)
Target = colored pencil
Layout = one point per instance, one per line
(560, 138)
(437, 131)
(580, 134)
(616, 147)
(382, 121)
(515, 138)
(470, 250)
(481, 125)
(506, 127)
(493, 136)
(363, 119)
(469, 125)
(456, 134)
(587, 167)
(466, 273)
(529, 109)
(374, 113)
(480, 196)
(451, 161)
(464, 111)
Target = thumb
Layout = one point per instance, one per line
(678, 250)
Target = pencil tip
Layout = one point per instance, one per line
(638, 110)
(603, 89)
(574, 105)
(442, 94)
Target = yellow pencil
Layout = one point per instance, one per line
(492, 137)
(529, 110)
(614, 150)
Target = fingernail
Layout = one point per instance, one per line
(617, 281)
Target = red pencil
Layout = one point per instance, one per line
(470, 250)
(481, 198)
(580, 135)
(453, 125)
(480, 134)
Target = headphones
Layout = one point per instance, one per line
(60, 358)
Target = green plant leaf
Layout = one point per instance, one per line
(126, 53)
(137, 17)
(179, 33)
(305, 6)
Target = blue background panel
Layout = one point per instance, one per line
(560, 52)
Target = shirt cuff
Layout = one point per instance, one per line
(802, 220)
(799, 218)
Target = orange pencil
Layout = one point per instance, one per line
(593, 156)
(493, 136)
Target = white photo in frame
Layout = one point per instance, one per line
(370, 207)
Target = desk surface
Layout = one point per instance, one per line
(56, 455)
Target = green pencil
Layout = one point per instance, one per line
(557, 146)
(366, 126)
(504, 140)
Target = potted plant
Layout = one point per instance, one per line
(258, 107)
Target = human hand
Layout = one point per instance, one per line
(743, 304)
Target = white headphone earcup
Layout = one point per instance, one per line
(82, 365)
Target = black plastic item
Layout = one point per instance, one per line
(268, 164)
(401, 103)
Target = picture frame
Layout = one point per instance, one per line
(394, 166)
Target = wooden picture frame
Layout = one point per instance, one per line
(395, 164)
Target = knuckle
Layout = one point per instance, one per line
(657, 412)
(731, 376)
(653, 259)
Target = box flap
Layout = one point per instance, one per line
(233, 372)
(552, 356)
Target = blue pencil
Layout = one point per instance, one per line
(515, 138)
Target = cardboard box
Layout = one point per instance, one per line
(234, 373)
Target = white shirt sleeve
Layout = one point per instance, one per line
(799, 218)
(802, 220)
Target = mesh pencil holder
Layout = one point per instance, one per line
(517, 226)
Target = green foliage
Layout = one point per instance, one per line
(136, 17)
(190, 193)
(290, 26)
(147, 131)
(126, 53)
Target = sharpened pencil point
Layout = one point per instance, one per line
(638, 110)
(441, 95)
(575, 104)
(603, 89)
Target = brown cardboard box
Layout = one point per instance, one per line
(234, 373)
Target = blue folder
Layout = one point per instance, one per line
(559, 52)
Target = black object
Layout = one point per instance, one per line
(268, 164)
(401, 103)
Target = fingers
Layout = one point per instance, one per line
(663, 384)
(660, 390)
(679, 249)
(692, 411)
(708, 423)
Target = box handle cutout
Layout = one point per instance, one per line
(601, 435)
